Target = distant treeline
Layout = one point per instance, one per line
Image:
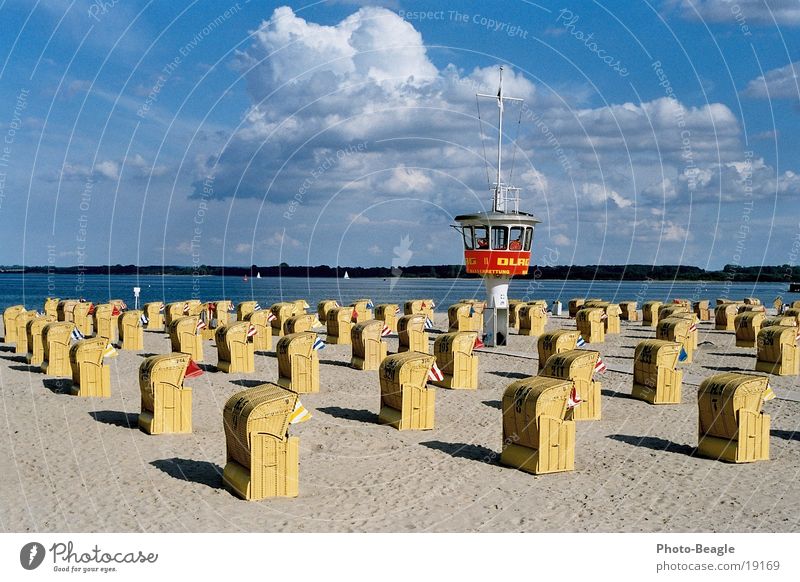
(782, 273)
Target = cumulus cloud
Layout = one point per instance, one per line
(786, 12)
(778, 83)
(351, 125)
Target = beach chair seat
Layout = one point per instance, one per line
(91, 377)
(777, 351)
(578, 366)
(184, 337)
(262, 340)
(166, 404)
(538, 430)
(235, 349)
(262, 460)
(369, 349)
(677, 329)
(575, 304)
(339, 325)
(454, 357)
(34, 330)
(411, 334)
(298, 362)
(732, 426)
(131, 330)
(655, 377)
(154, 312)
(56, 345)
(589, 322)
(387, 313)
(650, 313)
(406, 401)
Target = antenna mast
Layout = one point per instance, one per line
(502, 193)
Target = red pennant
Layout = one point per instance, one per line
(193, 370)
(91, 309)
(115, 311)
(354, 316)
(478, 343)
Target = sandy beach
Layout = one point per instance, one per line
(76, 464)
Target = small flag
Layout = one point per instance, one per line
(123, 305)
(232, 308)
(299, 414)
(115, 311)
(435, 374)
(386, 331)
(428, 323)
(76, 335)
(370, 304)
(272, 317)
(478, 343)
(161, 308)
(397, 311)
(581, 342)
(193, 370)
(251, 331)
(693, 328)
(354, 315)
(604, 316)
(500, 97)
(212, 307)
(683, 355)
(574, 399)
(257, 307)
(186, 308)
(91, 309)
(143, 319)
(336, 305)
(768, 394)
(423, 305)
(319, 344)
(109, 352)
(600, 366)
(201, 325)
(676, 301)
(471, 311)
(433, 305)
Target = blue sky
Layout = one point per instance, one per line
(346, 132)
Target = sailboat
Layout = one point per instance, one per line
(346, 276)
(258, 275)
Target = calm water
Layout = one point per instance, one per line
(32, 289)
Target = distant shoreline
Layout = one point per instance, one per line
(686, 273)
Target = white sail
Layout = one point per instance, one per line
(346, 276)
(258, 275)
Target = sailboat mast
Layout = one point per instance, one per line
(499, 140)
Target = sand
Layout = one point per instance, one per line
(75, 464)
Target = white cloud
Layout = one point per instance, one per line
(779, 83)
(738, 12)
(243, 248)
(561, 240)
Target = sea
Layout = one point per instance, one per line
(32, 289)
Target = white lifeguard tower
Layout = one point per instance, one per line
(497, 243)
